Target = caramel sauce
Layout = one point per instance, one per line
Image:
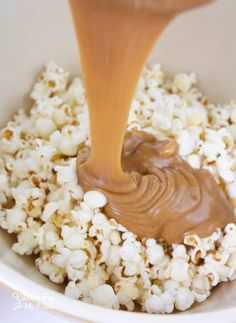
(150, 189)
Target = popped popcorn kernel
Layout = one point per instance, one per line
(95, 199)
(184, 299)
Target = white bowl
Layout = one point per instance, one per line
(34, 32)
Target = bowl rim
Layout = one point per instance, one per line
(72, 309)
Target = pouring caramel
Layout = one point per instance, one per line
(150, 189)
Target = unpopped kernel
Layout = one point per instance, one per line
(102, 263)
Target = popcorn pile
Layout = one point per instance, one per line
(101, 262)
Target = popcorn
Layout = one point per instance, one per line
(232, 130)
(194, 161)
(76, 265)
(154, 304)
(183, 82)
(73, 238)
(171, 286)
(127, 292)
(229, 240)
(224, 166)
(67, 174)
(72, 290)
(46, 267)
(60, 258)
(96, 278)
(67, 147)
(75, 92)
(53, 80)
(14, 219)
(45, 127)
(115, 238)
(47, 236)
(82, 216)
(79, 258)
(114, 259)
(100, 228)
(232, 260)
(186, 142)
(105, 250)
(159, 303)
(231, 189)
(213, 146)
(196, 115)
(161, 121)
(101, 262)
(104, 296)
(155, 254)
(233, 115)
(49, 209)
(130, 251)
(27, 240)
(200, 288)
(95, 199)
(179, 270)
(184, 299)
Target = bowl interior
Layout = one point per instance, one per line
(34, 32)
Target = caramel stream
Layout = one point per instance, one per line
(150, 189)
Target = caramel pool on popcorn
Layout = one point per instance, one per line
(150, 189)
